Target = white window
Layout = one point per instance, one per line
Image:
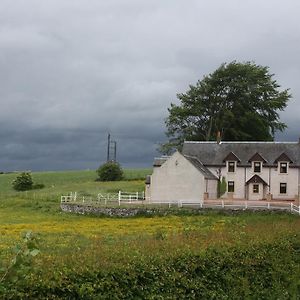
(230, 186)
(283, 167)
(231, 166)
(283, 188)
(257, 167)
(255, 188)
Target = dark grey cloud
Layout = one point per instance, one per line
(72, 70)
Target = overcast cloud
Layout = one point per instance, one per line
(73, 70)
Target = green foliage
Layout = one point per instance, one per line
(23, 182)
(253, 271)
(222, 187)
(110, 171)
(240, 100)
(21, 263)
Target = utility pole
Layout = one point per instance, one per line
(111, 147)
(108, 147)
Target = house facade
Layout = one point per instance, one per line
(250, 170)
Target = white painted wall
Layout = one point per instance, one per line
(212, 188)
(291, 178)
(177, 180)
(243, 174)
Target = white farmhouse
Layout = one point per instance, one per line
(252, 171)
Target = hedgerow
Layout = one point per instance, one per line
(253, 271)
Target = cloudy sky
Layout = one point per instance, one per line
(73, 70)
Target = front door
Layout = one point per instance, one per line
(255, 191)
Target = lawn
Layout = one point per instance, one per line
(81, 254)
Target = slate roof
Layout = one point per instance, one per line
(213, 153)
(256, 179)
(198, 165)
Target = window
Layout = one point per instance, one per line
(257, 167)
(255, 188)
(230, 186)
(282, 188)
(283, 167)
(231, 166)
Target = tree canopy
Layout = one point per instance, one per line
(242, 101)
(110, 171)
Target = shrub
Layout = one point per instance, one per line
(23, 182)
(110, 171)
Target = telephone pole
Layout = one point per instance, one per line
(111, 147)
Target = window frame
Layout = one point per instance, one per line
(230, 186)
(231, 167)
(283, 185)
(257, 164)
(255, 188)
(282, 169)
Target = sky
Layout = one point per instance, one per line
(72, 71)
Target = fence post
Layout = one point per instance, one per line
(291, 206)
(75, 196)
(246, 204)
(268, 205)
(137, 195)
(223, 204)
(119, 198)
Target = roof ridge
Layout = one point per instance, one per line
(239, 142)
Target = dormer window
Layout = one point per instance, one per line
(283, 163)
(231, 161)
(231, 166)
(257, 167)
(283, 167)
(257, 160)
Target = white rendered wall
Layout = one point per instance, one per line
(177, 180)
(271, 176)
(291, 178)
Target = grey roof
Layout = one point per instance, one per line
(212, 153)
(197, 164)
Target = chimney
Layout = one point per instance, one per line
(218, 137)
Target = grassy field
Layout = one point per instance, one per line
(81, 254)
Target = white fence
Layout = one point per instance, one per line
(263, 205)
(139, 198)
(117, 198)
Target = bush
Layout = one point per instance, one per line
(23, 182)
(110, 171)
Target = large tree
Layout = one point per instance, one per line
(240, 100)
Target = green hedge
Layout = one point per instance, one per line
(263, 271)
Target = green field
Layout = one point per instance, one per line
(214, 255)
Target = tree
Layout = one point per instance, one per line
(110, 171)
(222, 186)
(23, 182)
(240, 100)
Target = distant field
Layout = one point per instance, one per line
(67, 181)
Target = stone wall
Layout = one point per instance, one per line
(110, 211)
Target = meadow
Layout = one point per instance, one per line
(213, 255)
